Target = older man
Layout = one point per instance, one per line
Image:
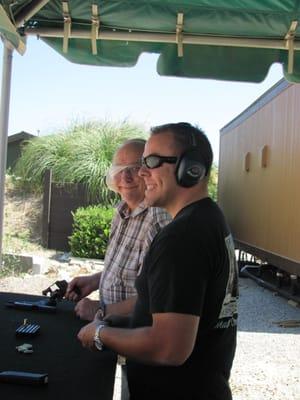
(133, 229)
(183, 336)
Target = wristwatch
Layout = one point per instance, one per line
(97, 341)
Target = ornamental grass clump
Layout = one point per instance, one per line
(80, 154)
(91, 229)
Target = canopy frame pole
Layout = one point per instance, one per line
(164, 38)
(95, 28)
(67, 25)
(290, 37)
(179, 34)
(4, 118)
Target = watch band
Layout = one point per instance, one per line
(97, 341)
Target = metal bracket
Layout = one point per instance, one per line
(289, 37)
(67, 25)
(95, 28)
(179, 34)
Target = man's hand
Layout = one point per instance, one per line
(86, 309)
(85, 284)
(87, 333)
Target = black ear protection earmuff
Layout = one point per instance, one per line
(190, 167)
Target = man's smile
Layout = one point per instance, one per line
(150, 187)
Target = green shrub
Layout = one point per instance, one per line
(91, 228)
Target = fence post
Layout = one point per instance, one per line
(46, 208)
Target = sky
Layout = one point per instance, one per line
(48, 93)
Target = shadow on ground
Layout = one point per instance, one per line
(260, 309)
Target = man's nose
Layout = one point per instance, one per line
(143, 171)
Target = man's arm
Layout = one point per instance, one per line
(119, 314)
(169, 341)
(122, 308)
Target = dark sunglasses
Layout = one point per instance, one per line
(153, 161)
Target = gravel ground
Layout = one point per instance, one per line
(267, 362)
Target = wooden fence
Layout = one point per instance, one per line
(58, 203)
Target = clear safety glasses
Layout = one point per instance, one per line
(115, 172)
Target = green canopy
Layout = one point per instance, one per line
(219, 39)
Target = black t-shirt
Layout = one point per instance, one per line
(190, 269)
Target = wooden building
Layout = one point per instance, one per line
(14, 147)
(259, 177)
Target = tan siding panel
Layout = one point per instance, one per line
(263, 205)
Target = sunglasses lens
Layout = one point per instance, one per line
(152, 162)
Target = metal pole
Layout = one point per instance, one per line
(153, 37)
(4, 116)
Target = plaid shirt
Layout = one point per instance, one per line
(130, 238)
